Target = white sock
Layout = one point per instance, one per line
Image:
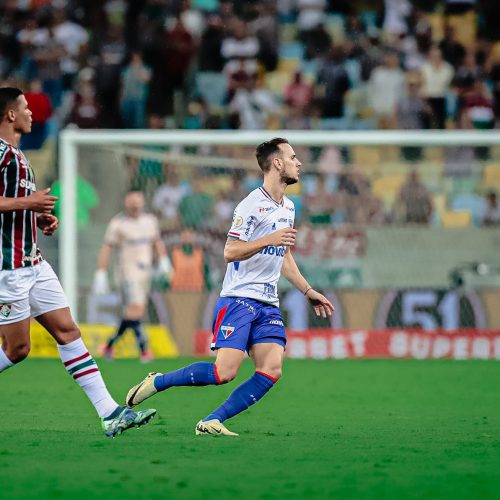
(5, 362)
(82, 367)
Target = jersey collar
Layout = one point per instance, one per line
(267, 195)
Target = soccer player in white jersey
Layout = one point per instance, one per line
(28, 285)
(135, 235)
(247, 317)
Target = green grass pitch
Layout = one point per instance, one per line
(329, 429)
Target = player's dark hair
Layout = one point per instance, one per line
(8, 95)
(264, 151)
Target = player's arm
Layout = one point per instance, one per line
(39, 201)
(164, 264)
(290, 270)
(238, 250)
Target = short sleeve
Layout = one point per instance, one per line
(245, 220)
(112, 236)
(5, 156)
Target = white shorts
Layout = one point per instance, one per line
(29, 291)
(135, 291)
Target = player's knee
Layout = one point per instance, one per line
(68, 334)
(17, 353)
(272, 373)
(226, 374)
(275, 373)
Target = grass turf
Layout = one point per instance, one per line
(329, 429)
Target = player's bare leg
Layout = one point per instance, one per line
(82, 367)
(268, 359)
(15, 343)
(225, 368)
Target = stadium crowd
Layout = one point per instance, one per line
(264, 64)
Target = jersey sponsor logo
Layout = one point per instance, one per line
(227, 330)
(276, 251)
(269, 290)
(5, 310)
(283, 219)
(264, 209)
(24, 183)
(292, 209)
(277, 322)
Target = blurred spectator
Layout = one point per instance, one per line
(321, 203)
(86, 200)
(476, 107)
(239, 47)
(39, 104)
(223, 210)
(210, 57)
(396, 14)
(492, 213)
(107, 78)
(47, 54)
(311, 13)
(469, 71)
(494, 78)
(412, 113)
(191, 270)
(386, 88)
(267, 32)
(414, 203)
(372, 54)
(29, 37)
(74, 38)
(453, 51)
(180, 49)
(167, 197)
(333, 77)
(134, 90)
(437, 75)
(192, 19)
(85, 109)
(317, 42)
(252, 106)
(299, 94)
(196, 209)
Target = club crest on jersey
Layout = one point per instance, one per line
(226, 330)
(5, 310)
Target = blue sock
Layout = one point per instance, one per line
(245, 395)
(200, 373)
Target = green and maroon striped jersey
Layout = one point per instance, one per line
(18, 242)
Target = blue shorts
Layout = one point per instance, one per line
(240, 323)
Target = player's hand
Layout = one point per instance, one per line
(41, 201)
(322, 306)
(47, 223)
(164, 268)
(100, 286)
(284, 237)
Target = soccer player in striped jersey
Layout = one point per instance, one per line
(247, 315)
(28, 285)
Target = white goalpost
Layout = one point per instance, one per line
(72, 139)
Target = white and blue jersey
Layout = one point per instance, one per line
(257, 278)
(247, 312)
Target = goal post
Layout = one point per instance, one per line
(72, 139)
